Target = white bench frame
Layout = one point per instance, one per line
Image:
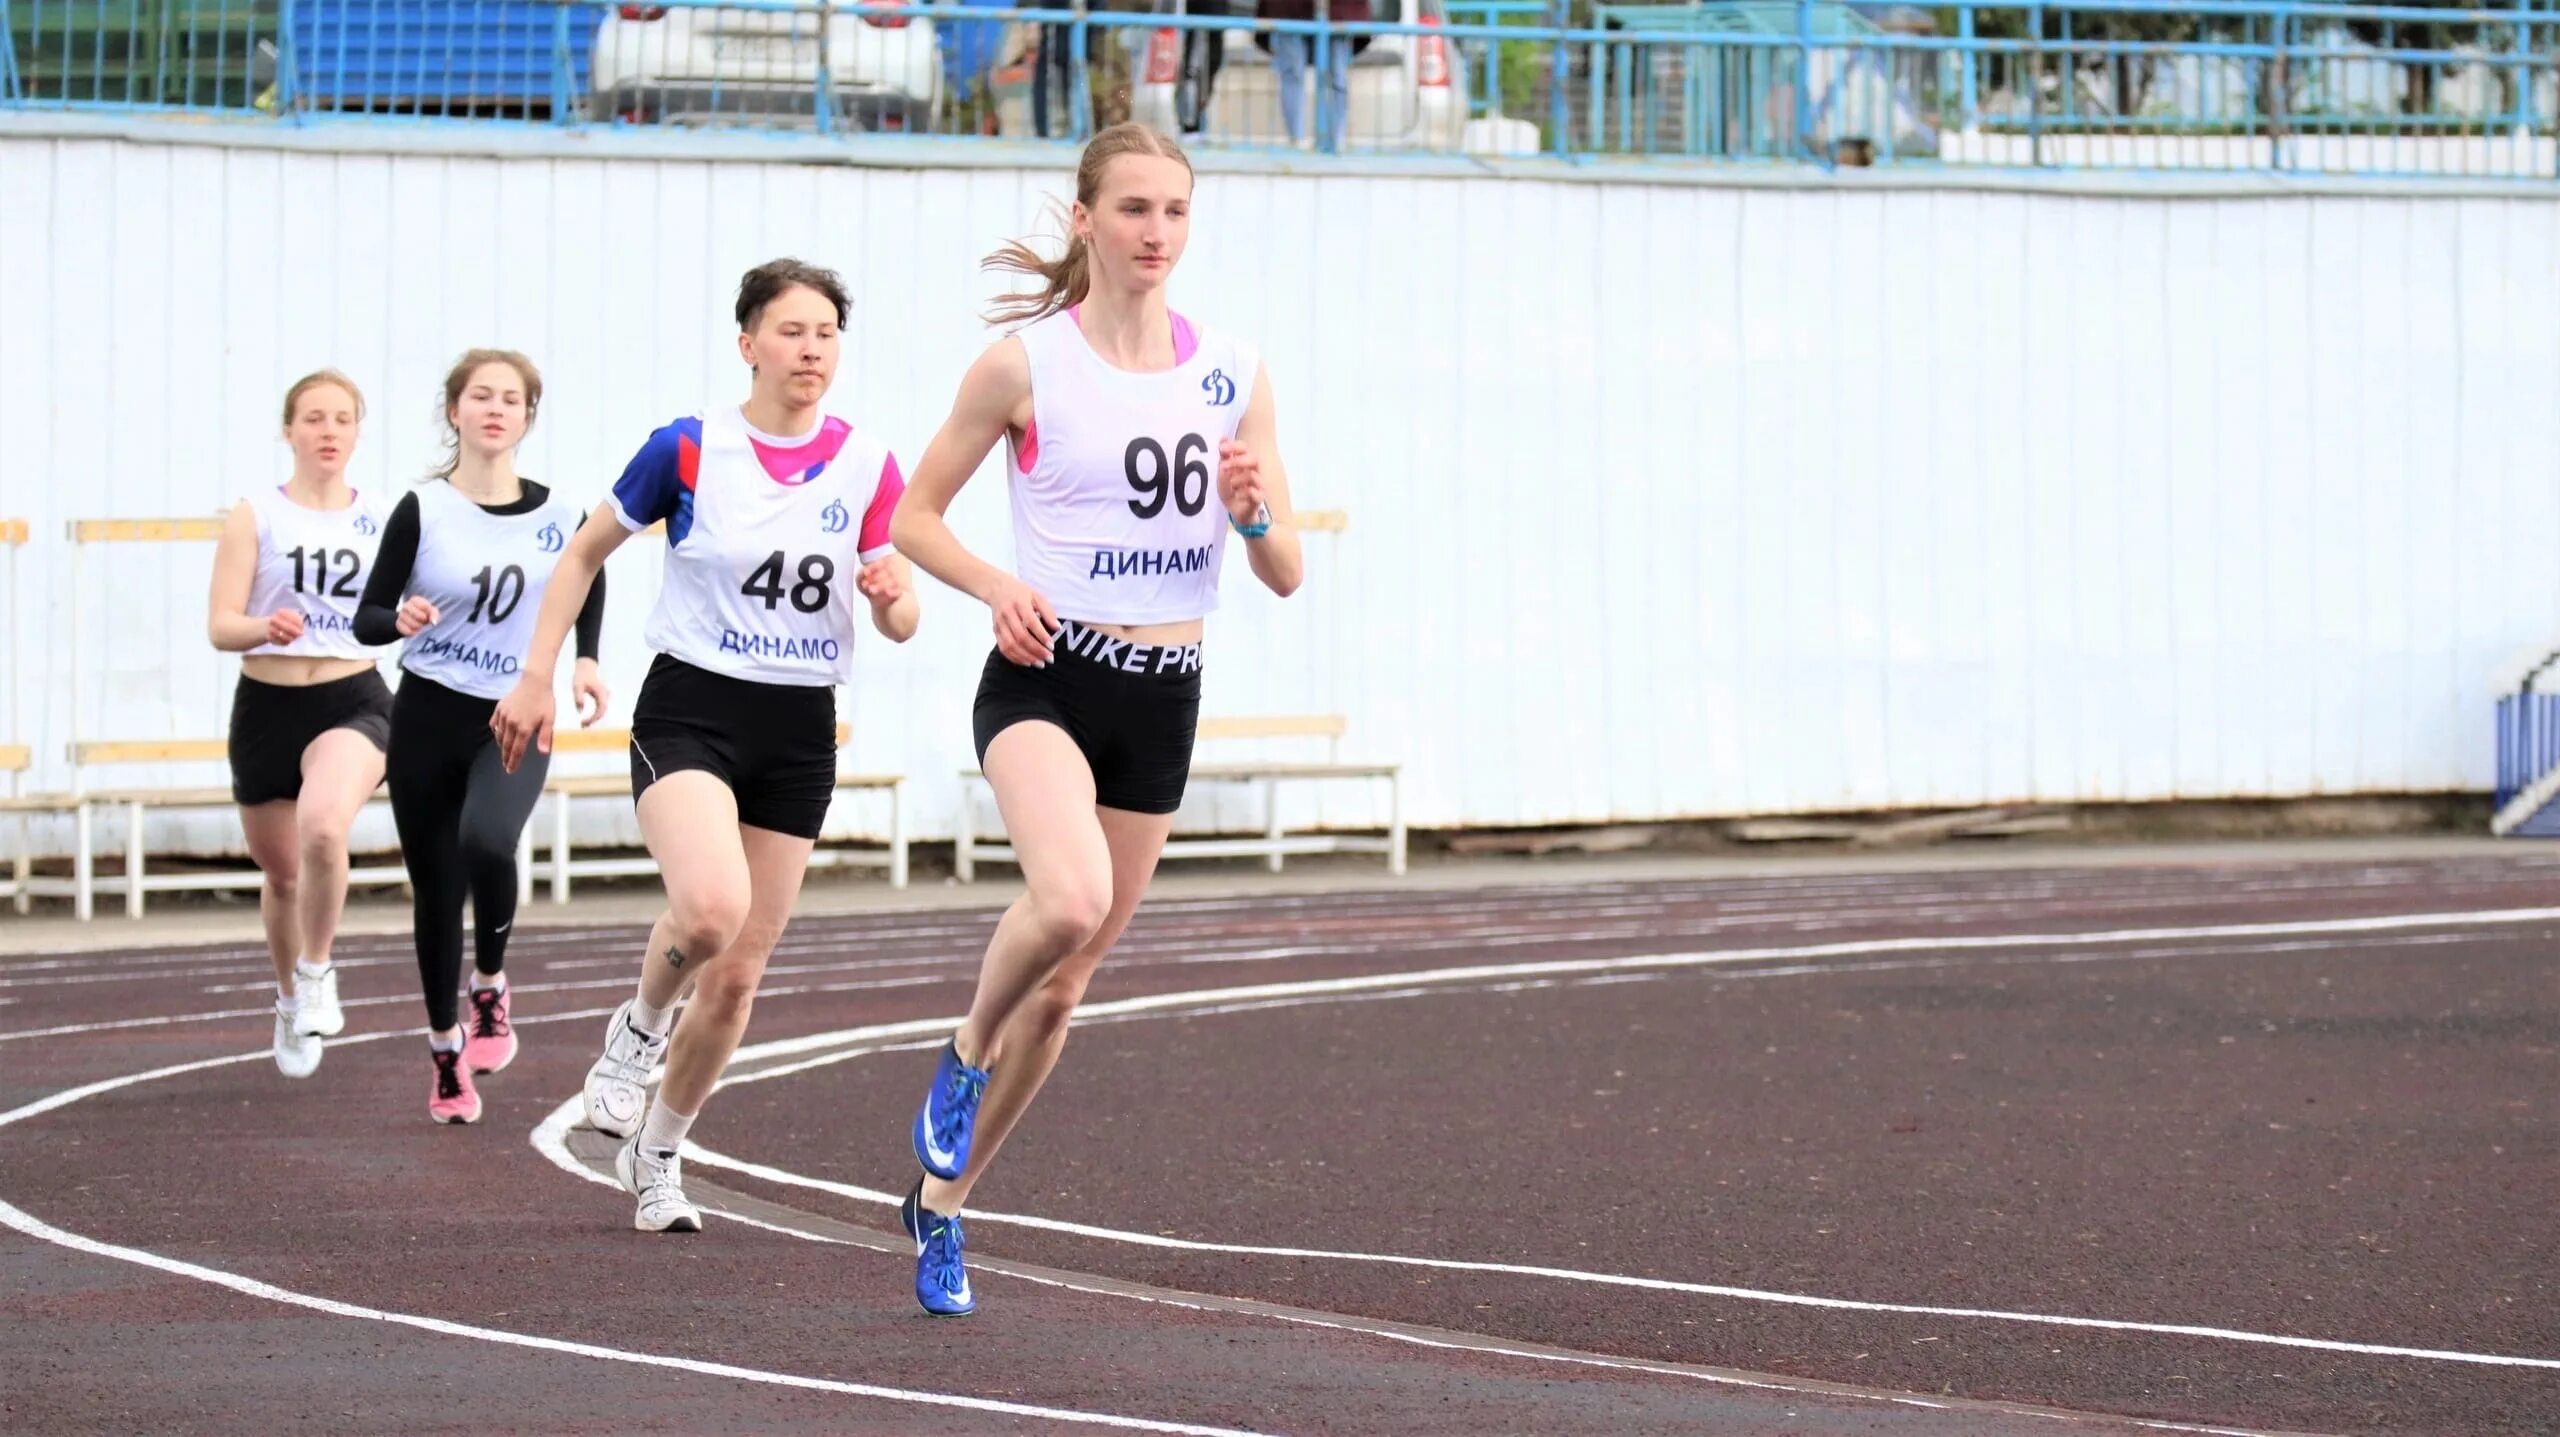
(88, 755)
(137, 879)
(563, 791)
(22, 885)
(1275, 843)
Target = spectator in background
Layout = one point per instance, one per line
(969, 49)
(1292, 53)
(1203, 51)
(1107, 58)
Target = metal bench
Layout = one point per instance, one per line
(1275, 843)
(565, 789)
(84, 801)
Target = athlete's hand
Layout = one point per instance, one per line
(1026, 627)
(523, 716)
(884, 581)
(586, 686)
(417, 613)
(284, 626)
(1239, 480)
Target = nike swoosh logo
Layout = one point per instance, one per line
(933, 1150)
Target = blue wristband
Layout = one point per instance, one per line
(1257, 528)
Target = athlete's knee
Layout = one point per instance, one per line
(706, 924)
(482, 851)
(727, 991)
(320, 839)
(1067, 913)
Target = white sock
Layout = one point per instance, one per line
(438, 1042)
(652, 1021)
(662, 1132)
(287, 1002)
(305, 968)
(488, 982)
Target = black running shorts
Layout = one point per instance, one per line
(271, 724)
(1133, 709)
(773, 745)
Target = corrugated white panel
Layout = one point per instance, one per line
(1665, 500)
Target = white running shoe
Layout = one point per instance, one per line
(297, 1052)
(318, 997)
(660, 1188)
(617, 1089)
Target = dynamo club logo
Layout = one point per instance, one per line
(365, 524)
(835, 518)
(549, 538)
(1220, 389)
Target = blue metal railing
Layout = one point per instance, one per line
(2253, 85)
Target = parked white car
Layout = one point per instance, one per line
(698, 63)
(1407, 92)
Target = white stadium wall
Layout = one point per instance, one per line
(1665, 499)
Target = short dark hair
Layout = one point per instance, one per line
(766, 282)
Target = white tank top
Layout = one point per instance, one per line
(314, 560)
(764, 536)
(1116, 518)
(486, 574)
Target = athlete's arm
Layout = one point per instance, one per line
(884, 578)
(228, 624)
(586, 677)
(591, 612)
(994, 396)
(1251, 476)
(380, 612)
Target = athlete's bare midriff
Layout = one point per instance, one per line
(295, 671)
(1186, 631)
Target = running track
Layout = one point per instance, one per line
(2247, 1147)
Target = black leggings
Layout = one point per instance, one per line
(460, 814)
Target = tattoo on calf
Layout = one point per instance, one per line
(675, 956)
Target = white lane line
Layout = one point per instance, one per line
(2490, 918)
(550, 1138)
(866, 1040)
(15, 1217)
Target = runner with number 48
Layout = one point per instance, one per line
(777, 521)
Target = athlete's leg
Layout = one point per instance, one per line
(273, 846)
(724, 992)
(715, 1019)
(494, 811)
(426, 806)
(340, 770)
(1044, 789)
(1037, 1032)
(689, 819)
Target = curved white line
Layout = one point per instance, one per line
(550, 1139)
(12, 1216)
(18, 1218)
(865, 1040)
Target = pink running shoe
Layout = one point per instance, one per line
(489, 1040)
(452, 1099)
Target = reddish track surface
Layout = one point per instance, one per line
(2327, 1132)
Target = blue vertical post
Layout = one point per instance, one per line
(1804, 76)
(1969, 99)
(564, 101)
(825, 78)
(1079, 77)
(1328, 136)
(287, 62)
(1559, 76)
